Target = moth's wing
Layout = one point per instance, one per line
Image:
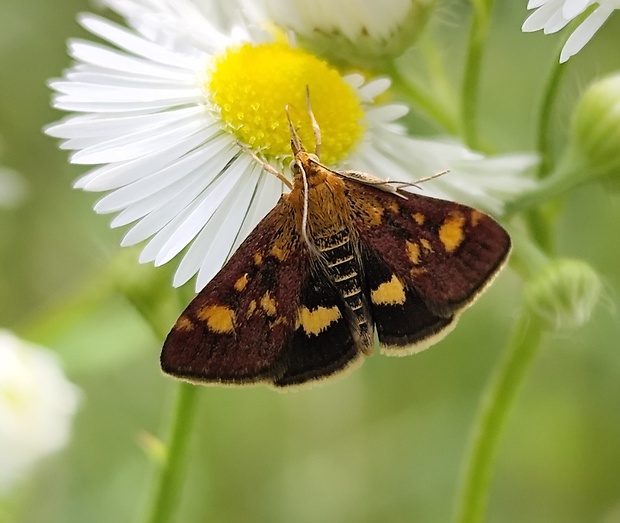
(325, 341)
(425, 260)
(249, 323)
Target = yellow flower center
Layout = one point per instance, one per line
(251, 85)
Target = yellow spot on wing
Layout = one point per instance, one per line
(419, 218)
(258, 259)
(251, 309)
(475, 217)
(394, 207)
(219, 318)
(184, 324)
(268, 304)
(426, 244)
(278, 253)
(317, 320)
(241, 282)
(370, 213)
(280, 320)
(413, 251)
(389, 293)
(451, 232)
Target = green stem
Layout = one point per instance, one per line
(568, 174)
(476, 41)
(534, 217)
(493, 413)
(427, 104)
(547, 103)
(170, 474)
(168, 484)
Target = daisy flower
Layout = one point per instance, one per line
(37, 405)
(170, 108)
(553, 15)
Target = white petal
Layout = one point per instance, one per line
(268, 191)
(223, 227)
(98, 76)
(539, 18)
(179, 194)
(139, 143)
(263, 198)
(115, 175)
(374, 88)
(386, 113)
(66, 103)
(112, 60)
(355, 80)
(191, 226)
(78, 91)
(109, 126)
(573, 8)
(212, 156)
(556, 22)
(160, 219)
(128, 41)
(533, 4)
(586, 30)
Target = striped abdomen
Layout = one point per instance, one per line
(343, 268)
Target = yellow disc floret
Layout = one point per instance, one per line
(250, 86)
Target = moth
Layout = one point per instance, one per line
(342, 257)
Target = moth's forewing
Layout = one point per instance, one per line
(270, 315)
(425, 260)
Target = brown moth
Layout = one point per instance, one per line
(341, 256)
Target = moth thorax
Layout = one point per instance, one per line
(338, 252)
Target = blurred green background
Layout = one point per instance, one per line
(384, 444)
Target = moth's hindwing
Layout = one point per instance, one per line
(425, 260)
(323, 342)
(268, 316)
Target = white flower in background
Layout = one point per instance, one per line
(37, 404)
(12, 188)
(553, 15)
(163, 115)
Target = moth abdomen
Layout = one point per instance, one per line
(343, 268)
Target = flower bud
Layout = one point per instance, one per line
(363, 34)
(596, 130)
(563, 293)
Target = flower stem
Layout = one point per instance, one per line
(169, 475)
(568, 174)
(168, 484)
(477, 37)
(493, 413)
(543, 138)
(429, 105)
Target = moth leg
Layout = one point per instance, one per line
(267, 167)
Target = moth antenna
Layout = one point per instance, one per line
(296, 145)
(428, 178)
(315, 125)
(304, 216)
